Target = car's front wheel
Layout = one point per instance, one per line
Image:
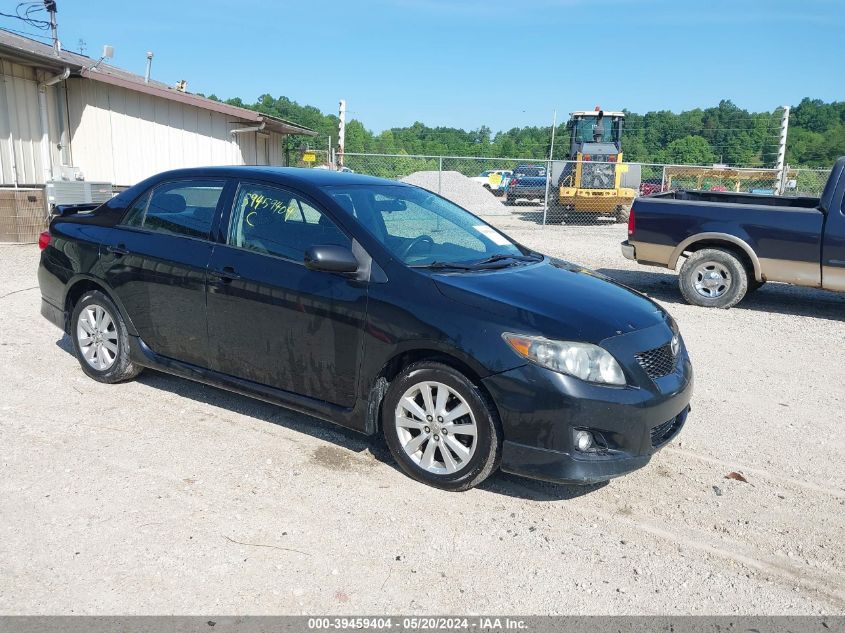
(440, 427)
(100, 339)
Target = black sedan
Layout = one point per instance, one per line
(376, 305)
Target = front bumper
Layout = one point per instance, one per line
(628, 251)
(595, 200)
(540, 410)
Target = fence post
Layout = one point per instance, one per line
(440, 175)
(546, 198)
(663, 180)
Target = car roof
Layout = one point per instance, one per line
(303, 176)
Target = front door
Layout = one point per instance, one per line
(833, 249)
(270, 319)
(156, 262)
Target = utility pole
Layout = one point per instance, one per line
(50, 6)
(341, 132)
(780, 166)
(549, 168)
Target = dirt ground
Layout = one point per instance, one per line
(162, 496)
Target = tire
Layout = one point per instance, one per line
(622, 214)
(473, 452)
(106, 359)
(713, 278)
(555, 213)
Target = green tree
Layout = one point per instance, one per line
(690, 150)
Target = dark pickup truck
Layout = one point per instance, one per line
(734, 242)
(528, 182)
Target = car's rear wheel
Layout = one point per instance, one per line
(100, 339)
(440, 427)
(713, 278)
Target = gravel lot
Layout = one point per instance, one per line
(163, 496)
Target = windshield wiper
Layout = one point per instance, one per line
(481, 264)
(443, 266)
(498, 257)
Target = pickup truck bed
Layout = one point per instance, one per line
(759, 238)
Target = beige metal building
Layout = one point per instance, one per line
(66, 117)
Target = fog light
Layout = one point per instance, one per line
(583, 440)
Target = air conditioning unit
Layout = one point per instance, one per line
(78, 192)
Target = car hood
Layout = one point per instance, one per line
(554, 298)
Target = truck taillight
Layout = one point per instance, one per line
(44, 240)
(586, 157)
(631, 222)
(611, 158)
(513, 182)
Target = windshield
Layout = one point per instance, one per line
(585, 129)
(420, 228)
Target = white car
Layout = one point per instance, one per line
(493, 180)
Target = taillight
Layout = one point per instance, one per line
(611, 158)
(586, 157)
(514, 182)
(631, 222)
(44, 240)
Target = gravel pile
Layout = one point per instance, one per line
(459, 189)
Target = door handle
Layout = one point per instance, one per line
(118, 251)
(226, 275)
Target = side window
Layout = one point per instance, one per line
(135, 215)
(186, 208)
(274, 221)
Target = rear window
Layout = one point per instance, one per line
(529, 171)
(179, 208)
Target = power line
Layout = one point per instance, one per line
(27, 34)
(25, 12)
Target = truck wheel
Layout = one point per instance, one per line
(622, 214)
(713, 278)
(441, 429)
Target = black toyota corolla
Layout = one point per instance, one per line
(376, 305)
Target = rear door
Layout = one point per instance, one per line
(270, 319)
(156, 262)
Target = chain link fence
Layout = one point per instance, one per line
(572, 192)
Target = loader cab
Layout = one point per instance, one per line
(595, 132)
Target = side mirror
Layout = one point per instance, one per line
(330, 259)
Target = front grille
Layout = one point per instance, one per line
(662, 433)
(657, 362)
(598, 176)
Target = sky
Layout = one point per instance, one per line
(469, 63)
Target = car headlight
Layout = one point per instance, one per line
(582, 360)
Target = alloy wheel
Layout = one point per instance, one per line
(96, 334)
(436, 428)
(711, 279)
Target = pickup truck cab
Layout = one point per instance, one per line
(734, 243)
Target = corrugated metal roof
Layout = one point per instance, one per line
(29, 50)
